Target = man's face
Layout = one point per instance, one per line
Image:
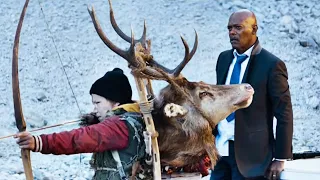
(102, 106)
(242, 31)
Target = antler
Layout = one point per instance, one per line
(125, 54)
(130, 54)
(187, 57)
(138, 55)
(115, 26)
(20, 122)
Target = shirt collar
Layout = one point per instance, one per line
(247, 52)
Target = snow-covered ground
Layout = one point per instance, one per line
(60, 34)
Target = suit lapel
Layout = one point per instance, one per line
(256, 50)
(250, 64)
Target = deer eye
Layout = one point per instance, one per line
(205, 93)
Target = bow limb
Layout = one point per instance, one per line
(20, 122)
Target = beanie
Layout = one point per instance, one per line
(114, 86)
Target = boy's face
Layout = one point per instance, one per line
(102, 106)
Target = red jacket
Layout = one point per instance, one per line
(111, 134)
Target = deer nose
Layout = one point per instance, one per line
(248, 87)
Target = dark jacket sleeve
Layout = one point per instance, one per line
(215, 130)
(111, 134)
(278, 88)
(218, 68)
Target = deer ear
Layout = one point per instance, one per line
(174, 110)
(183, 82)
(191, 85)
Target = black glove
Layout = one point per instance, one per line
(88, 119)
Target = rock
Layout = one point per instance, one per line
(283, 29)
(227, 5)
(240, 4)
(38, 174)
(308, 42)
(235, 5)
(17, 170)
(42, 97)
(307, 79)
(316, 39)
(260, 18)
(317, 78)
(35, 120)
(299, 3)
(295, 27)
(303, 43)
(274, 13)
(314, 102)
(315, 12)
(289, 24)
(286, 21)
(292, 35)
(257, 10)
(285, 10)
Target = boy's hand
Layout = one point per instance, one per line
(88, 119)
(25, 140)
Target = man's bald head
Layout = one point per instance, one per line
(242, 29)
(245, 14)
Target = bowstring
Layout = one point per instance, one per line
(59, 57)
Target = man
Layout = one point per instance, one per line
(113, 132)
(245, 138)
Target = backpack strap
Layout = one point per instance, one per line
(115, 154)
(116, 157)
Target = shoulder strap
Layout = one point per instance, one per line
(134, 123)
(116, 157)
(115, 154)
(138, 135)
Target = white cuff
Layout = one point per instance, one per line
(38, 144)
(280, 160)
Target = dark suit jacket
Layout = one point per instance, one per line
(255, 145)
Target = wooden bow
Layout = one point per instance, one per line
(20, 122)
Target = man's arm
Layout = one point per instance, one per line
(282, 109)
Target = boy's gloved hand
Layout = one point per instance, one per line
(88, 119)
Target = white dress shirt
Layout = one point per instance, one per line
(225, 128)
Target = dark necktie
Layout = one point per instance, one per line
(235, 77)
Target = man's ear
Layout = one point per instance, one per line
(254, 29)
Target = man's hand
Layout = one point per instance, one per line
(274, 170)
(25, 140)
